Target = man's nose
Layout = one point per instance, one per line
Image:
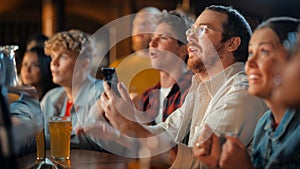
(54, 61)
(153, 42)
(191, 38)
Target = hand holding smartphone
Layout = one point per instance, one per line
(110, 76)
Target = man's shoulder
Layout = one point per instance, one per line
(233, 76)
(53, 98)
(235, 92)
(236, 86)
(55, 90)
(239, 80)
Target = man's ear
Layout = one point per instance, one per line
(233, 43)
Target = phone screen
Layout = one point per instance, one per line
(110, 76)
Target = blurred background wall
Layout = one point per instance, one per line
(19, 19)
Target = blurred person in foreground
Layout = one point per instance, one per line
(135, 70)
(35, 71)
(218, 48)
(71, 57)
(27, 120)
(276, 138)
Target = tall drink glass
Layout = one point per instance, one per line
(40, 146)
(60, 134)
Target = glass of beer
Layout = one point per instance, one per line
(60, 128)
(40, 146)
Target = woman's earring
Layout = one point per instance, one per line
(277, 80)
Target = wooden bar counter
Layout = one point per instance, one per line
(81, 159)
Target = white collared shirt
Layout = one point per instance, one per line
(223, 103)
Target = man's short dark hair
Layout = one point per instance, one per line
(235, 26)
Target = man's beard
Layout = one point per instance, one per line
(198, 66)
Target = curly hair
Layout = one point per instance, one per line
(72, 41)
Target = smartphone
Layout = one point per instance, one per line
(110, 76)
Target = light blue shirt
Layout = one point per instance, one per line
(82, 112)
(25, 108)
(280, 148)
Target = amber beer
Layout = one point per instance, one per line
(40, 146)
(60, 133)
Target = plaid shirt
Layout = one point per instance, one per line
(174, 100)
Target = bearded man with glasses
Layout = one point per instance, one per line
(218, 98)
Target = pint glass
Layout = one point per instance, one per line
(40, 146)
(60, 134)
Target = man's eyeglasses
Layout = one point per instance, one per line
(197, 32)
